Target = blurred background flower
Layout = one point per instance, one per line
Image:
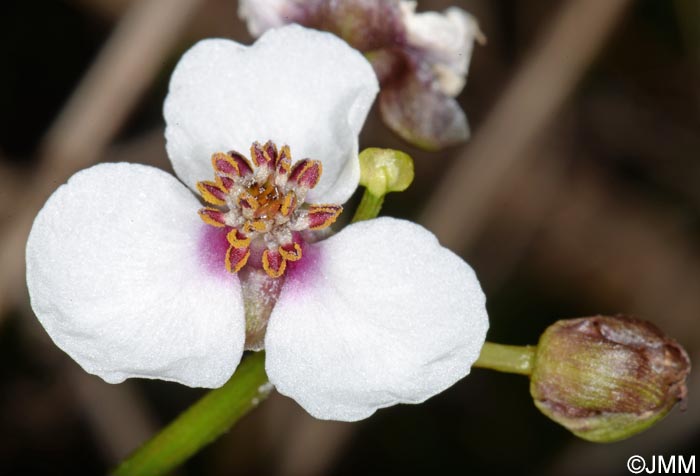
(577, 194)
(420, 58)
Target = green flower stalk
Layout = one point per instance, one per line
(202, 423)
(607, 378)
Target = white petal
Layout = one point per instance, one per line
(382, 315)
(447, 39)
(118, 277)
(261, 15)
(300, 87)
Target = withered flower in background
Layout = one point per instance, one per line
(607, 378)
(421, 59)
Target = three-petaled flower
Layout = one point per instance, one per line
(133, 276)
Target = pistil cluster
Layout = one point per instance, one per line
(263, 206)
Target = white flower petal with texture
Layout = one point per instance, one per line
(383, 315)
(294, 86)
(117, 278)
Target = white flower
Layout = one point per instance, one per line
(129, 280)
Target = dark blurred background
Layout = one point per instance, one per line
(578, 194)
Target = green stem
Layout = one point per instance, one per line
(369, 207)
(513, 359)
(220, 409)
(202, 423)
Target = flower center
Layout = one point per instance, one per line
(263, 207)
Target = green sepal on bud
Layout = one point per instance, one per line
(607, 378)
(385, 170)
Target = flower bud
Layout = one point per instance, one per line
(607, 378)
(385, 170)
